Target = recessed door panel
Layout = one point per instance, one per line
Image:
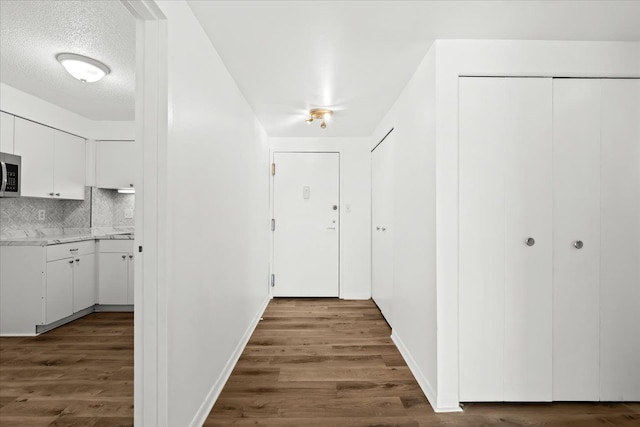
(528, 215)
(482, 233)
(306, 194)
(620, 262)
(505, 239)
(576, 231)
(382, 205)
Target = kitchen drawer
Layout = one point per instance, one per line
(116, 246)
(68, 250)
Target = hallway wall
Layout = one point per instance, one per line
(414, 278)
(217, 200)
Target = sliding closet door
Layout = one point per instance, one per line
(382, 204)
(505, 239)
(620, 262)
(576, 235)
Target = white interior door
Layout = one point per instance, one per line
(382, 203)
(306, 195)
(576, 236)
(505, 198)
(528, 214)
(620, 260)
(482, 112)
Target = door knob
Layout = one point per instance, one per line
(530, 241)
(335, 207)
(378, 228)
(578, 244)
(384, 229)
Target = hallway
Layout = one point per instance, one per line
(330, 362)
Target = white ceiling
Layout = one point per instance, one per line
(32, 33)
(356, 56)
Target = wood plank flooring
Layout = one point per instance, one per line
(80, 374)
(326, 362)
(310, 362)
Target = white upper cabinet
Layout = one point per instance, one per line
(6, 133)
(69, 166)
(53, 162)
(116, 164)
(34, 143)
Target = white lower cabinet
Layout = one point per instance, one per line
(549, 245)
(115, 272)
(70, 279)
(59, 293)
(84, 282)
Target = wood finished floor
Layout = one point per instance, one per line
(326, 362)
(80, 374)
(310, 362)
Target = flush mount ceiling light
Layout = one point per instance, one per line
(83, 68)
(323, 114)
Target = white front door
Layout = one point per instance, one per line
(306, 194)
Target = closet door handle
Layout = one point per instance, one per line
(378, 228)
(578, 244)
(530, 241)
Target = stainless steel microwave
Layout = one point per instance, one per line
(10, 175)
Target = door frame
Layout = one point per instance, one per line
(150, 285)
(272, 154)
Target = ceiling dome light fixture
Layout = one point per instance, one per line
(323, 114)
(83, 68)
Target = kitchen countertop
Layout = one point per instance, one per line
(63, 235)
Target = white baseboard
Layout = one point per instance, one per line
(355, 296)
(423, 382)
(201, 416)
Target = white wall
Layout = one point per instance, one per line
(30, 107)
(355, 191)
(217, 218)
(414, 293)
(490, 57)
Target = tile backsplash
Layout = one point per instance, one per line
(100, 208)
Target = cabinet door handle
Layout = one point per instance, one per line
(51, 194)
(124, 257)
(71, 262)
(578, 244)
(58, 194)
(77, 260)
(530, 241)
(130, 256)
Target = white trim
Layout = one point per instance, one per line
(205, 408)
(423, 382)
(355, 296)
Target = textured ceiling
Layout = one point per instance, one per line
(32, 33)
(357, 56)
